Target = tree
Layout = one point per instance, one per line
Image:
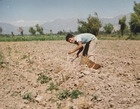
(50, 31)
(12, 34)
(108, 28)
(96, 14)
(134, 23)
(136, 8)
(60, 32)
(0, 30)
(135, 19)
(92, 25)
(123, 25)
(39, 29)
(83, 28)
(20, 29)
(32, 30)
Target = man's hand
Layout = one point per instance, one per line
(70, 52)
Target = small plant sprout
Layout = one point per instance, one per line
(53, 100)
(1, 59)
(9, 50)
(28, 97)
(43, 79)
(63, 94)
(71, 107)
(75, 94)
(95, 97)
(28, 57)
(52, 87)
(24, 57)
(3, 64)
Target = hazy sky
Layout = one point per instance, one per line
(29, 12)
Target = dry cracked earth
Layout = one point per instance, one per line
(40, 75)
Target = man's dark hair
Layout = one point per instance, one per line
(68, 36)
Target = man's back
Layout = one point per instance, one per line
(84, 38)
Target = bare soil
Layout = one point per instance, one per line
(116, 85)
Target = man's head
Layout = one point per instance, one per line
(70, 38)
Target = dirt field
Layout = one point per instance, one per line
(114, 86)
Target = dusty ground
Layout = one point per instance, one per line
(114, 86)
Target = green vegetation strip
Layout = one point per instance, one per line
(62, 37)
(31, 38)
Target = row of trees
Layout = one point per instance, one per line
(39, 29)
(33, 31)
(93, 24)
(134, 21)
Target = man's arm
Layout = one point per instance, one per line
(79, 51)
(77, 48)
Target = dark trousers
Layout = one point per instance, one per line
(86, 48)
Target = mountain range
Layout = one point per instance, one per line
(62, 24)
